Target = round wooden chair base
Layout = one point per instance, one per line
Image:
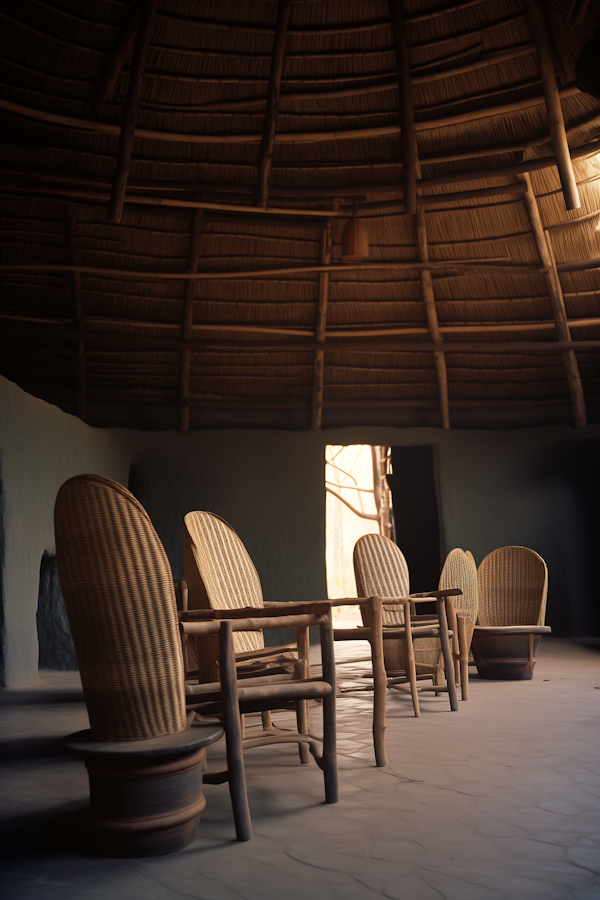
(145, 796)
(509, 657)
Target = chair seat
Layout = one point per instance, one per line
(513, 629)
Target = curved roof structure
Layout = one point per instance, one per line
(177, 176)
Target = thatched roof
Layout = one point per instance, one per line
(95, 312)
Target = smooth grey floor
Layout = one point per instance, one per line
(498, 801)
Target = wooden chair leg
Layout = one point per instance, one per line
(531, 659)
(463, 656)
(411, 668)
(447, 654)
(379, 681)
(303, 645)
(231, 722)
(451, 613)
(267, 721)
(330, 770)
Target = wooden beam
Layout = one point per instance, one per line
(557, 304)
(187, 323)
(128, 122)
(407, 119)
(293, 346)
(316, 404)
(432, 319)
(306, 137)
(273, 89)
(296, 331)
(453, 267)
(117, 58)
(558, 137)
(77, 306)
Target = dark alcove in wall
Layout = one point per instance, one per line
(416, 513)
(57, 651)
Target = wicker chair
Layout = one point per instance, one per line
(513, 586)
(232, 698)
(221, 577)
(460, 571)
(380, 570)
(118, 592)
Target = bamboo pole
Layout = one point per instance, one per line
(187, 323)
(432, 319)
(291, 346)
(316, 406)
(77, 306)
(284, 138)
(134, 93)
(273, 89)
(117, 58)
(407, 119)
(556, 122)
(297, 331)
(557, 304)
(449, 266)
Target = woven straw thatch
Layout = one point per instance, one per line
(118, 591)
(479, 114)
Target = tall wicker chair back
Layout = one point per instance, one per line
(381, 570)
(118, 591)
(460, 571)
(220, 575)
(513, 586)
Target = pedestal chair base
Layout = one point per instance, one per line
(145, 796)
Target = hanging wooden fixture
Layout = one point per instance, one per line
(355, 241)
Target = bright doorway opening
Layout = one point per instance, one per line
(359, 502)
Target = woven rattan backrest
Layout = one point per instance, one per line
(513, 584)
(118, 591)
(380, 570)
(460, 571)
(219, 572)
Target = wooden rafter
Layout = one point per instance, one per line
(187, 323)
(77, 306)
(407, 119)
(273, 89)
(129, 119)
(316, 406)
(556, 122)
(432, 319)
(557, 303)
(117, 58)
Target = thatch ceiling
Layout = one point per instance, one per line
(457, 308)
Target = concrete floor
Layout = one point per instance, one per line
(498, 801)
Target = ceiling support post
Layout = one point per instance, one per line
(77, 307)
(273, 89)
(128, 122)
(558, 137)
(557, 303)
(316, 406)
(432, 319)
(187, 323)
(117, 58)
(407, 119)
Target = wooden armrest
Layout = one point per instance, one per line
(257, 612)
(436, 595)
(265, 651)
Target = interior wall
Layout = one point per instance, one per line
(40, 447)
(537, 487)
